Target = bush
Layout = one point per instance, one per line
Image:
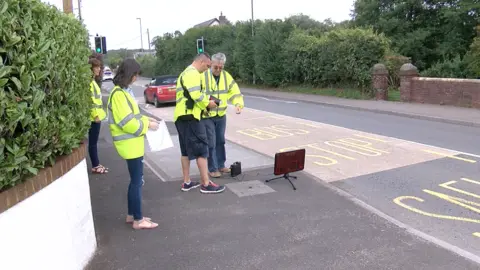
(393, 63)
(472, 58)
(147, 62)
(455, 68)
(269, 51)
(44, 80)
(297, 50)
(341, 57)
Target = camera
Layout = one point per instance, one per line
(236, 169)
(217, 101)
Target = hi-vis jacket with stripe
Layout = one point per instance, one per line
(97, 104)
(191, 81)
(127, 125)
(226, 89)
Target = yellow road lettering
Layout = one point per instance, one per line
(477, 234)
(330, 161)
(316, 147)
(364, 152)
(284, 128)
(458, 201)
(257, 134)
(447, 186)
(399, 201)
(363, 144)
(450, 156)
(274, 132)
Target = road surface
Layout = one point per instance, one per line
(419, 173)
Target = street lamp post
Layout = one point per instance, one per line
(80, 10)
(141, 32)
(253, 34)
(252, 17)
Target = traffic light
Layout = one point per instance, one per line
(100, 45)
(200, 45)
(104, 45)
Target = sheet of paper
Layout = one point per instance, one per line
(159, 139)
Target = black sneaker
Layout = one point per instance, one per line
(212, 188)
(190, 186)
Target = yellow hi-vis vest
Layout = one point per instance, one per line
(97, 106)
(226, 90)
(127, 125)
(191, 81)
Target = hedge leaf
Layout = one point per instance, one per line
(44, 82)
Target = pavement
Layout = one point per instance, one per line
(380, 169)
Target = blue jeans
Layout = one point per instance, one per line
(135, 168)
(93, 134)
(217, 155)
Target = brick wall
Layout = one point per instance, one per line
(63, 164)
(443, 91)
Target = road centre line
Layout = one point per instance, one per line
(284, 117)
(274, 100)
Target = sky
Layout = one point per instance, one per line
(117, 19)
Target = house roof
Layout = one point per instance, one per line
(207, 23)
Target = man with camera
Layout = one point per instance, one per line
(192, 101)
(222, 88)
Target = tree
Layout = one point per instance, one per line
(426, 31)
(291, 51)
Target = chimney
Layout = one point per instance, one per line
(222, 19)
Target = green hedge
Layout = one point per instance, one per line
(44, 79)
(297, 50)
(472, 58)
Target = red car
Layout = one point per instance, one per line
(161, 90)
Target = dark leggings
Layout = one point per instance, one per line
(93, 134)
(135, 168)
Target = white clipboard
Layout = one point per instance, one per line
(159, 139)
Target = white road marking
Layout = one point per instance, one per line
(274, 100)
(154, 171)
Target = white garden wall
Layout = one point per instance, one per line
(52, 229)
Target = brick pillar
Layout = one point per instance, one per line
(380, 81)
(407, 73)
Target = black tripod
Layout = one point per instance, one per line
(286, 176)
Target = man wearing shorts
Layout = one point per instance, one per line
(192, 101)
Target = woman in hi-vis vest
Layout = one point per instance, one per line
(97, 114)
(128, 128)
